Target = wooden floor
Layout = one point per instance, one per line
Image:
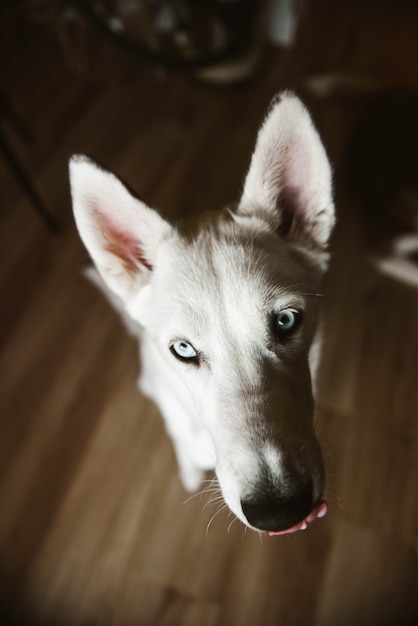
(95, 528)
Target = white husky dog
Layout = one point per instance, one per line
(226, 313)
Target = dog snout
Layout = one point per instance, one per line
(270, 511)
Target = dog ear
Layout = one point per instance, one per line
(120, 233)
(289, 179)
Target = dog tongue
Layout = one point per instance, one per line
(317, 512)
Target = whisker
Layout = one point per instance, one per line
(307, 293)
(336, 500)
(211, 486)
(213, 501)
(195, 495)
(303, 447)
(232, 522)
(220, 510)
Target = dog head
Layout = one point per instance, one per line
(230, 305)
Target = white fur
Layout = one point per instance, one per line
(246, 408)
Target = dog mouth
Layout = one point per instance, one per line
(319, 511)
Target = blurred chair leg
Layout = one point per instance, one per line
(26, 183)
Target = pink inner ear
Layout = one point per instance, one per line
(122, 244)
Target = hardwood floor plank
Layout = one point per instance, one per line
(376, 585)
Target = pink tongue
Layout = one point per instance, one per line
(317, 512)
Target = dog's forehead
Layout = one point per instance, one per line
(217, 279)
(236, 260)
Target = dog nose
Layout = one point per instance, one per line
(274, 513)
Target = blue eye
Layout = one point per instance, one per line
(287, 321)
(184, 350)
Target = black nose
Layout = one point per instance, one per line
(268, 511)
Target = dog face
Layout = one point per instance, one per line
(229, 306)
